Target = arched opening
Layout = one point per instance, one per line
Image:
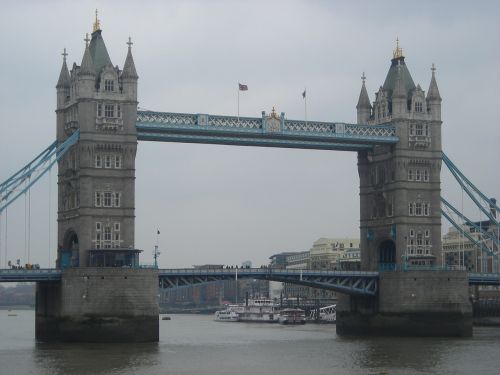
(387, 255)
(70, 256)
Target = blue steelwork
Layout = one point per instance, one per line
(470, 189)
(254, 131)
(488, 235)
(21, 275)
(477, 278)
(347, 282)
(461, 230)
(26, 177)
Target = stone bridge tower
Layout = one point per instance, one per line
(103, 295)
(400, 184)
(400, 199)
(96, 178)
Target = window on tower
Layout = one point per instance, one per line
(109, 85)
(109, 111)
(418, 106)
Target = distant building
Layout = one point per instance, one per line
(326, 252)
(351, 260)
(460, 251)
(279, 260)
(300, 260)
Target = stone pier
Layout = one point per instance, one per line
(410, 303)
(99, 305)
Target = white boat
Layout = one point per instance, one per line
(226, 316)
(292, 316)
(258, 310)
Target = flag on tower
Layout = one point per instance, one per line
(304, 94)
(242, 87)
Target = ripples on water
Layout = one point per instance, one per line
(195, 344)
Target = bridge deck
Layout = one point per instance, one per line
(255, 131)
(350, 282)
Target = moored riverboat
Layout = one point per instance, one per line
(292, 316)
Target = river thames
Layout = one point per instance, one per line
(195, 344)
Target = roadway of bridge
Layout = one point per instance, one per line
(188, 276)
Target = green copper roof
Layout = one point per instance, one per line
(390, 80)
(98, 52)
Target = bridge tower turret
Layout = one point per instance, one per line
(96, 178)
(400, 218)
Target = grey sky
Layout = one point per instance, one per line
(222, 204)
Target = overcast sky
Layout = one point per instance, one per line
(227, 204)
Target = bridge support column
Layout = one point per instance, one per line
(99, 305)
(410, 303)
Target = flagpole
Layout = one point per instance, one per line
(305, 105)
(238, 102)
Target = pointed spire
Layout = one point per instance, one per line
(97, 24)
(87, 66)
(433, 93)
(64, 79)
(129, 66)
(399, 89)
(364, 99)
(398, 52)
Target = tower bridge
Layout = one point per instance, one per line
(98, 292)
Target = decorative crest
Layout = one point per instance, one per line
(129, 43)
(97, 23)
(398, 52)
(433, 68)
(273, 123)
(64, 54)
(363, 78)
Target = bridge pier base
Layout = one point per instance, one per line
(410, 303)
(99, 305)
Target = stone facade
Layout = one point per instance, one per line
(97, 176)
(400, 217)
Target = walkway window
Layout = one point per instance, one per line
(99, 110)
(426, 175)
(118, 161)
(98, 161)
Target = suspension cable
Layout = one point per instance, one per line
(6, 234)
(1, 245)
(29, 225)
(50, 213)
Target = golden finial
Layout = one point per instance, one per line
(398, 52)
(97, 23)
(273, 113)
